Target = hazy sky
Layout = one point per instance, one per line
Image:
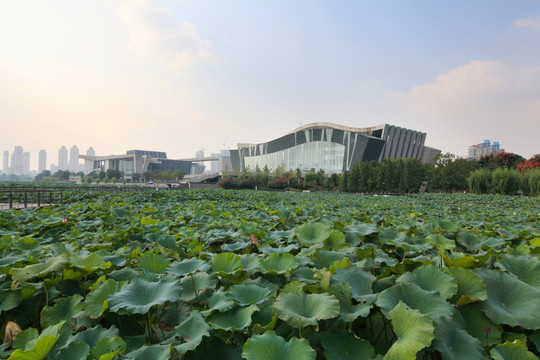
(180, 76)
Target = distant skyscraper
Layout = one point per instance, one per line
(74, 159)
(26, 163)
(91, 151)
(5, 168)
(62, 158)
(42, 164)
(17, 161)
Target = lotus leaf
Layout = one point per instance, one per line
(153, 263)
(343, 345)
(471, 288)
(40, 347)
(278, 264)
(360, 281)
(24, 337)
(476, 323)
(311, 234)
(347, 311)
(63, 310)
(41, 269)
(441, 242)
(220, 301)
(89, 263)
(188, 266)
(335, 241)
(300, 310)
(96, 301)
(76, 350)
(526, 268)
(470, 241)
(269, 346)
(245, 294)
(510, 301)
(512, 351)
(9, 300)
(431, 278)
(191, 332)
(413, 329)
(154, 352)
(456, 344)
(140, 295)
(235, 319)
(427, 302)
(110, 347)
(196, 284)
(94, 335)
(227, 263)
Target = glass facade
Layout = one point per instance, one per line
(317, 155)
(126, 166)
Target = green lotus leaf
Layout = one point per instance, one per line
(124, 274)
(76, 350)
(441, 242)
(40, 347)
(427, 302)
(89, 263)
(9, 300)
(335, 241)
(227, 263)
(456, 344)
(446, 225)
(476, 322)
(278, 264)
(219, 301)
(234, 319)
(250, 262)
(96, 301)
(148, 221)
(300, 310)
(343, 345)
(279, 250)
(41, 269)
(471, 288)
(94, 335)
(196, 284)
(154, 352)
(324, 258)
(191, 332)
(347, 311)
(515, 350)
(311, 234)
(109, 347)
(413, 329)
(390, 234)
(510, 301)
(269, 346)
(431, 278)
(264, 320)
(64, 309)
(355, 233)
(245, 294)
(24, 337)
(188, 266)
(140, 295)
(526, 268)
(360, 281)
(153, 263)
(471, 242)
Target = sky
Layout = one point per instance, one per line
(181, 76)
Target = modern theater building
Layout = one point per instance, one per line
(333, 148)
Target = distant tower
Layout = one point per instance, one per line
(17, 161)
(5, 169)
(62, 158)
(42, 164)
(91, 151)
(26, 163)
(74, 159)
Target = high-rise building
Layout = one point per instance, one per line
(26, 163)
(17, 161)
(74, 159)
(91, 151)
(42, 164)
(483, 149)
(5, 168)
(62, 158)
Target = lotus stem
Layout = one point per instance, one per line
(46, 294)
(149, 327)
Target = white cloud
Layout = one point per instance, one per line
(532, 22)
(157, 33)
(477, 101)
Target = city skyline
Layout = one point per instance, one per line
(182, 76)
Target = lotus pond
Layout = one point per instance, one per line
(264, 276)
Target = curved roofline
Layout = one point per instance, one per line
(322, 125)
